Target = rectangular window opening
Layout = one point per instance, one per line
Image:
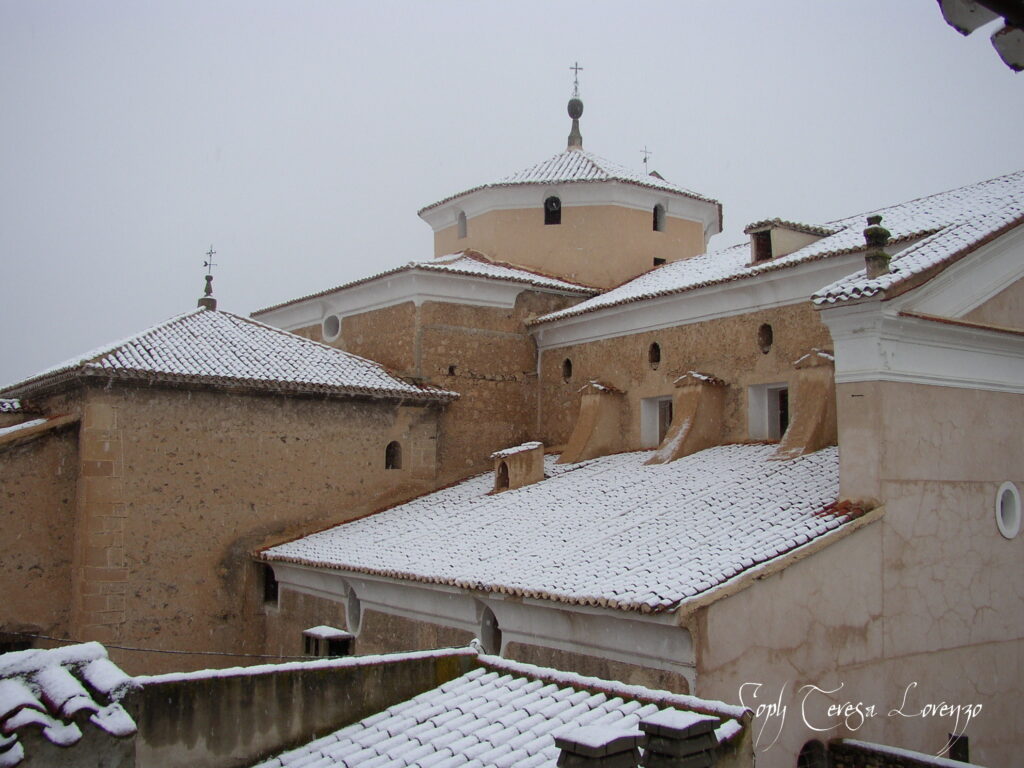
(655, 420)
(270, 586)
(768, 411)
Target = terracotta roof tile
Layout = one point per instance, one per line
(224, 350)
(610, 531)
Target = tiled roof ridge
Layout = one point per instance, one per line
(72, 366)
(888, 209)
(611, 171)
(612, 688)
(905, 274)
(811, 229)
(918, 218)
(91, 365)
(432, 264)
(483, 258)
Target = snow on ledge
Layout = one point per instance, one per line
(522, 448)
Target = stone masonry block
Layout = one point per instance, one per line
(99, 445)
(97, 468)
(102, 490)
(94, 574)
(99, 416)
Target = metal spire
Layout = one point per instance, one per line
(646, 153)
(575, 109)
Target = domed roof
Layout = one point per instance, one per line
(576, 166)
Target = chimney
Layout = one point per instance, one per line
(518, 466)
(676, 738)
(596, 746)
(876, 259)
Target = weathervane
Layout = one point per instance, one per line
(209, 261)
(207, 301)
(646, 153)
(576, 69)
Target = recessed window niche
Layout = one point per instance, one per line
(331, 327)
(566, 369)
(1007, 510)
(765, 338)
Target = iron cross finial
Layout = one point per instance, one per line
(576, 69)
(209, 261)
(646, 153)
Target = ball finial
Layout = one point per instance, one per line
(575, 108)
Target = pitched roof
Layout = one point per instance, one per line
(213, 348)
(916, 263)
(610, 531)
(504, 714)
(954, 220)
(56, 691)
(575, 166)
(467, 263)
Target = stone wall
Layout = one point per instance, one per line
(727, 348)
(37, 516)
(175, 489)
(484, 353)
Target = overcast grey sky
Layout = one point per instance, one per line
(300, 138)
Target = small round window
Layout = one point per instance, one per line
(566, 369)
(765, 338)
(332, 327)
(1008, 510)
(654, 355)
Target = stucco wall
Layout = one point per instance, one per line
(930, 595)
(37, 517)
(598, 245)
(606, 669)
(1006, 308)
(233, 720)
(194, 481)
(726, 348)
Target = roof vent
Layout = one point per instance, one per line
(876, 260)
(518, 466)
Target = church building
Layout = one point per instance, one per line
(783, 472)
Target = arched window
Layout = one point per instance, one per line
(765, 338)
(393, 455)
(490, 633)
(566, 369)
(813, 755)
(501, 481)
(460, 223)
(553, 210)
(654, 355)
(659, 218)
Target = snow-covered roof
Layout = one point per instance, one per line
(502, 714)
(575, 166)
(466, 263)
(55, 691)
(917, 262)
(9, 405)
(796, 226)
(214, 348)
(610, 531)
(949, 221)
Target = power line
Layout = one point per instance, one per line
(160, 650)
